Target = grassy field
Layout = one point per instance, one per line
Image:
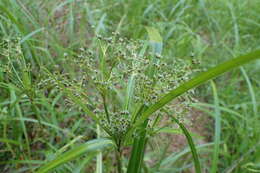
(76, 74)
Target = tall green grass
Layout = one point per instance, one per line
(39, 126)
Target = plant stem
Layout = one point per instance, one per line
(118, 159)
(105, 107)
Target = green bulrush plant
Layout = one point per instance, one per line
(116, 79)
(99, 13)
(119, 84)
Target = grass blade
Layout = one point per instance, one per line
(175, 156)
(66, 132)
(99, 155)
(130, 91)
(200, 79)
(217, 130)
(251, 91)
(155, 39)
(92, 146)
(23, 125)
(237, 163)
(191, 145)
(79, 168)
(236, 115)
(28, 36)
(138, 150)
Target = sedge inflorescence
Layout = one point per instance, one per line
(115, 70)
(114, 75)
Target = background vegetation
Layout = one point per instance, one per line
(37, 123)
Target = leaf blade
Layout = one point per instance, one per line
(198, 80)
(89, 147)
(217, 135)
(191, 145)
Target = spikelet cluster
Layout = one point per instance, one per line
(99, 75)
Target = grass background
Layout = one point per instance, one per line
(210, 31)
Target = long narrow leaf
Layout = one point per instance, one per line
(155, 38)
(191, 145)
(138, 150)
(236, 115)
(130, 91)
(28, 36)
(251, 91)
(217, 130)
(90, 147)
(200, 79)
(171, 159)
(137, 154)
(99, 155)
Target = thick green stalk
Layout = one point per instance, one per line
(118, 154)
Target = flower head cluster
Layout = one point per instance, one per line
(13, 62)
(118, 123)
(116, 73)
